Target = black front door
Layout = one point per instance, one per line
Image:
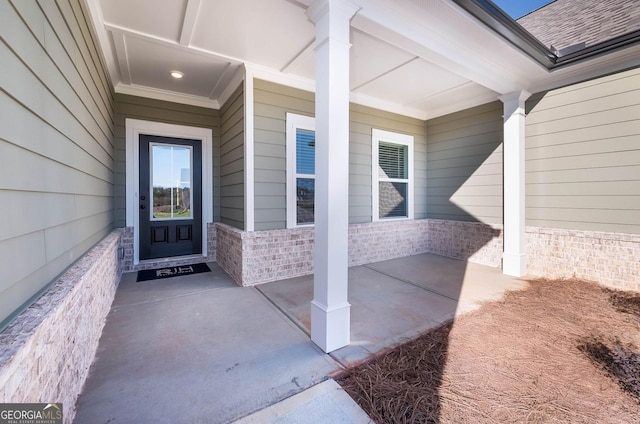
(170, 197)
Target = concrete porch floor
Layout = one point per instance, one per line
(199, 348)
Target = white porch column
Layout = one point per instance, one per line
(330, 310)
(514, 260)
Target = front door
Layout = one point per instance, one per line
(170, 197)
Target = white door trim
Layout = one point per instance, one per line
(135, 127)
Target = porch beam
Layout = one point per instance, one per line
(330, 310)
(514, 259)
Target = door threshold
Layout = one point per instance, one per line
(168, 262)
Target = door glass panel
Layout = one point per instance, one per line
(171, 172)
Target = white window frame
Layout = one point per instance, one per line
(381, 136)
(295, 122)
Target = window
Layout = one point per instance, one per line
(392, 176)
(301, 169)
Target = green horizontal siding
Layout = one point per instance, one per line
(464, 165)
(583, 156)
(362, 120)
(56, 145)
(232, 160)
(272, 103)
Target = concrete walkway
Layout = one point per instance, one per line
(396, 300)
(200, 349)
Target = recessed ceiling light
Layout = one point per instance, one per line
(177, 74)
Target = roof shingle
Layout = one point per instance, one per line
(563, 23)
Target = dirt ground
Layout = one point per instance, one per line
(556, 352)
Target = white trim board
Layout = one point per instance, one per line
(249, 149)
(133, 129)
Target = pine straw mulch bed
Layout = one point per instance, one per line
(558, 351)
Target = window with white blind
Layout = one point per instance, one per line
(301, 169)
(392, 176)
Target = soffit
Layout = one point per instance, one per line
(421, 58)
(266, 32)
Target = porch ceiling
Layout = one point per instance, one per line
(418, 58)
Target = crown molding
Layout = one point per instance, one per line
(167, 96)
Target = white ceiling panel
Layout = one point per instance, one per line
(146, 16)
(455, 98)
(422, 59)
(411, 82)
(371, 58)
(267, 32)
(303, 65)
(151, 62)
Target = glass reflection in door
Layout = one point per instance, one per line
(171, 172)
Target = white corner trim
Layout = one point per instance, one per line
(97, 19)
(236, 80)
(133, 129)
(249, 171)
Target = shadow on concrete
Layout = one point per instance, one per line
(199, 348)
(195, 348)
(396, 300)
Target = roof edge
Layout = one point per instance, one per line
(502, 24)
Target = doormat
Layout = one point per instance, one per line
(174, 271)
